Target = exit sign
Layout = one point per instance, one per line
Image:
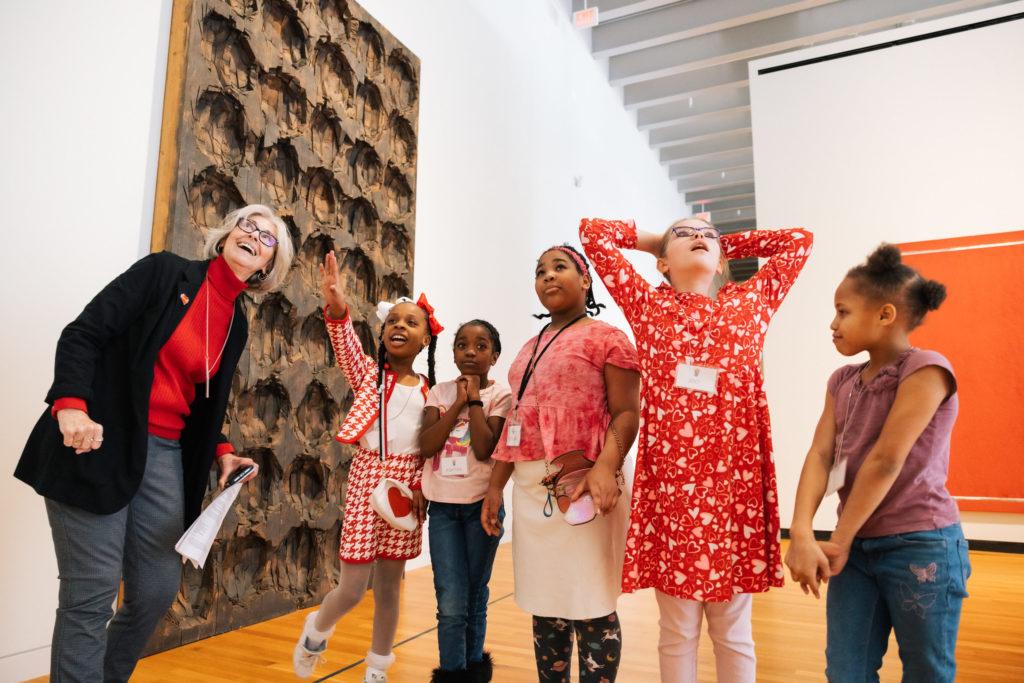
(585, 18)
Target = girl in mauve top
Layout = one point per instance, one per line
(897, 559)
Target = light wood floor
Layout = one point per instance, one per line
(789, 629)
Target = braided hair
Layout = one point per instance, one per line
(491, 330)
(593, 308)
(884, 277)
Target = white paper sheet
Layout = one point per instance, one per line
(195, 543)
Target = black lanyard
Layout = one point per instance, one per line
(531, 366)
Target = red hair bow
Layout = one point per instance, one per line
(435, 327)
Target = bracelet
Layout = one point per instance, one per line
(618, 445)
(475, 403)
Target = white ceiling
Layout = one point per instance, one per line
(682, 67)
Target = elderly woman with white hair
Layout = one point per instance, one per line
(123, 453)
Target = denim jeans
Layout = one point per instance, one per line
(462, 555)
(94, 553)
(911, 583)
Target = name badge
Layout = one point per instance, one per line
(513, 434)
(836, 477)
(696, 378)
(455, 466)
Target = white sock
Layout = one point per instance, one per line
(379, 662)
(316, 639)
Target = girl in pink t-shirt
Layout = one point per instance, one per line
(897, 559)
(461, 425)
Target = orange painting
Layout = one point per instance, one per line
(980, 328)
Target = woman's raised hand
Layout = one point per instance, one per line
(330, 287)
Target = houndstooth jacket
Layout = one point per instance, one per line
(361, 372)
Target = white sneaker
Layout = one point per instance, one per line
(305, 660)
(377, 666)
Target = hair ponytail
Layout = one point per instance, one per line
(884, 277)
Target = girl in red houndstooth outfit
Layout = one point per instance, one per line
(386, 448)
(704, 528)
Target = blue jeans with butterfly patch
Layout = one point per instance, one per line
(913, 584)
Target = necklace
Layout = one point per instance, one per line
(851, 405)
(411, 392)
(206, 345)
(384, 417)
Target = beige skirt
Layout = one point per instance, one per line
(572, 572)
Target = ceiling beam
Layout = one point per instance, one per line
(611, 10)
(687, 165)
(746, 215)
(716, 179)
(711, 102)
(719, 194)
(739, 140)
(717, 176)
(731, 227)
(818, 24)
(683, 86)
(718, 123)
(744, 202)
(690, 169)
(685, 20)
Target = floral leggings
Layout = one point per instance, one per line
(598, 644)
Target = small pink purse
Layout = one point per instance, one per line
(572, 469)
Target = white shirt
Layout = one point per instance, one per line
(405, 414)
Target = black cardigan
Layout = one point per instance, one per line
(106, 356)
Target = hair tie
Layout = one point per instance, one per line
(435, 326)
(581, 265)
(384, 309)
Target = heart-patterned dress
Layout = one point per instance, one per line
(704, 523)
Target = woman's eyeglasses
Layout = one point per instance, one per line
(687, 231)
(263, 236)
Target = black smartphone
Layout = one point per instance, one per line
(238, 475)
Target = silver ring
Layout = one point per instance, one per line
(97, 439)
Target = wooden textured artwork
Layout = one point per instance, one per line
(310, 107)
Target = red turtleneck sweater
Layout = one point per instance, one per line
(181, 365)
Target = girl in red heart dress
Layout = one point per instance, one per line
(704, 527)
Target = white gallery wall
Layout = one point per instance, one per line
(519, 136)
(912, 142)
